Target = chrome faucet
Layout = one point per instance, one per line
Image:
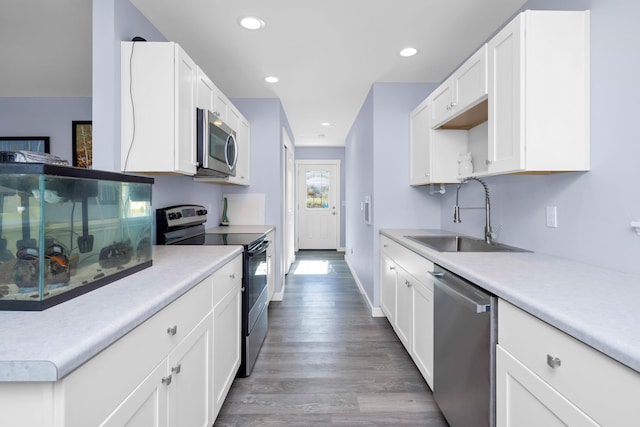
(488, 233)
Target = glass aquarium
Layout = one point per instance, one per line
(65, 231)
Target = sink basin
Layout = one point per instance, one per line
(462, 244)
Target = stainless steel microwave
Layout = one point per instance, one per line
(217, 147)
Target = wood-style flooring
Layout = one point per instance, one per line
(327, 362)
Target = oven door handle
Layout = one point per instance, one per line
(258, 249)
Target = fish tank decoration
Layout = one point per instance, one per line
(65, 231)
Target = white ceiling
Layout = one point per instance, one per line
(327, 53)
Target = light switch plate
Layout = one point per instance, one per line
(552, 216)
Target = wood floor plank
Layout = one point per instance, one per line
(327, 362)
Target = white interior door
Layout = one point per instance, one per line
(318, 184)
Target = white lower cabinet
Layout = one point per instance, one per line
(271, 264)
(406, 297)
(422, 330)
(173, 370)
(388, 288)
(146, 406)
(545, 377)
(178, 390)
(227, 331)
(404, 305)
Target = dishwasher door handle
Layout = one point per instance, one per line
(479, 305)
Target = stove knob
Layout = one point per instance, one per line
(171, 216)
(178, 215)
(202, 212)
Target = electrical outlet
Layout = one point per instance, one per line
(552, 216)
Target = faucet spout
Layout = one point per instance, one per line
(488, 232)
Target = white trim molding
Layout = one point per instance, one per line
(375, 311)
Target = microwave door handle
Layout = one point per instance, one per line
(205, 140)
(235, 149)
(230, 140)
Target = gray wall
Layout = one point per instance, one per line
(115, 21)
(595, 208)
(329, 153)
(50, 117)
(268, 122)
(377, 154)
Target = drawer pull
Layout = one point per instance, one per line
(233, 276)
(166, 380)
(553, 362)
(392, 268)
(172, 330)
(408, 283)
(176, 369)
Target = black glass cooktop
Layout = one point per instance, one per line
(221, 239)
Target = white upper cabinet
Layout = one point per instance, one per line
(457, 96)
(429, 147)
(520, 104)
(539, 93)
(158, 108)
(205, 91)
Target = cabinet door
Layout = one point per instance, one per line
(419, 155)
(271, 272)
(470, 81)
(226, 345)
(442, 100)
(505, 103)
(185, 113)
(189, 393)
(524, 400)
(422, 330)
(388, 288)
(146, 406)
(221, 106)
(205, 91)
(404, 308)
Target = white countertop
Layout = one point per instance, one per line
(49, 344)
(597, 306)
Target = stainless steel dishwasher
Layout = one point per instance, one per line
(465, 335)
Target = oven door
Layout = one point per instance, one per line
(256, 280)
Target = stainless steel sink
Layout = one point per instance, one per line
(462, 244)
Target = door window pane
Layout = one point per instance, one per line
(318, 189)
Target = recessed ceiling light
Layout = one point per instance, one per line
(325, 124)
(271, 79)
(408, 51)
(251, 23)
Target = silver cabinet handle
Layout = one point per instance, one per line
(408, 283)
(176, 369)
(172, 330)
(233, 276)
(553, 362)
(392, 268)
(166, 380)
(385, 246)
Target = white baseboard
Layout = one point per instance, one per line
(279, 296)
(341, 249)
(375, 311)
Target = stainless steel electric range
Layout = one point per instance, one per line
(184, 225)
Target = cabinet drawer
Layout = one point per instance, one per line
(603, 388)
(413, 263)
(112, 374)
(226, 278)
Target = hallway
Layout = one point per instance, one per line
(327, 362)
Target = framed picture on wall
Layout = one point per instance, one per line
(29, 143)
(82, 150)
